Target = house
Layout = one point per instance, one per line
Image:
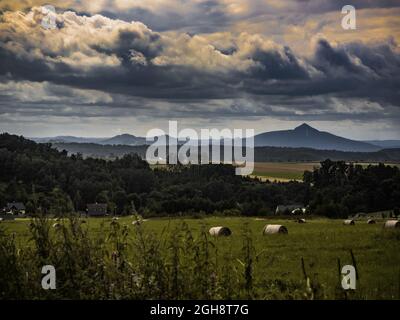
(97, 209)
(15, 208)
(287, 209)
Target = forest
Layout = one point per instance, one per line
(53, 182)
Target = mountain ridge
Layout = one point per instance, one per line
(302, 136)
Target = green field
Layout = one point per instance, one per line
(274, 261)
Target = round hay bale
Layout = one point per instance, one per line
(297, 211)
(274, 228)
(349, 222)
(392, 224)
(371, 221)
(301, 220)
(220, 231)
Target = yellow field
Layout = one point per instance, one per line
(282, 171)
(287, 171)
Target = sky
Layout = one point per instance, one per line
(128, 66)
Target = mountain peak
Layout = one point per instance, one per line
(304, 126)
(305, 136)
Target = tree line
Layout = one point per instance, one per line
(49, 181)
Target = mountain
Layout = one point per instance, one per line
(125, 139)
(388, 144)
(305, 136)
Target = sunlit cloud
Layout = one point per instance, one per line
(234, 61)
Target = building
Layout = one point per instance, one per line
(15, 208)
(97, 209)
(287, 209)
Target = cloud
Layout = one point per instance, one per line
(101, 53)
(45, 92)
(97, 66)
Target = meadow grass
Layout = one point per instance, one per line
(172, 253)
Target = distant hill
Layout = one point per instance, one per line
(125, 139)
(261, 154)
(305, 136)
(66, 139)
(122, 139)
(385, 143)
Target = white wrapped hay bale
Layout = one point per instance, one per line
(392, 224)
(297, 211)
(349, 222)
(138, 222)
(275, 228)
(301, 220)
(220, 231)
(371, 221)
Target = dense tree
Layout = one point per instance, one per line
(52, 182)
(339, 188)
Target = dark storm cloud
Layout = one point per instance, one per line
(349, 71)
(111, 68)
(370, 72)
(134, 68)
(201, 17)
(212, 15)
(272, 65)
